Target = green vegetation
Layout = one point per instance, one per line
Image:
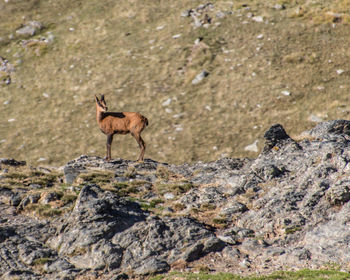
(97, 177)
(298, 275)
(176, 188)
(25, 177)
(41, 261)
(291, 230)
(46, 211)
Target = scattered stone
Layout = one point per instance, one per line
(15, 199)
(233, 208)
(167, 102)
(169, 196)
(11, 162)
(286, 93)
(252, 147)
(5, 71)
(279, 6)
(200, 77)
(339, 194)
(258, 19)
(314, 118)
(30, 29)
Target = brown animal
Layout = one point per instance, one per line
(112, 123)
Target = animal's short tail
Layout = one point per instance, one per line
(145, 120)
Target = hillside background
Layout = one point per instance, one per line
(269, 62)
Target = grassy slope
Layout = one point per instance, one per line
(119, 49)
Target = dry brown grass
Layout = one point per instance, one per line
(126, 51)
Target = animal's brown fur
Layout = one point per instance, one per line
(112, 123)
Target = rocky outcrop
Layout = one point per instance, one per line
(288, 208)
(106, 232)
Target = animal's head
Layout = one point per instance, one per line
(101, 103)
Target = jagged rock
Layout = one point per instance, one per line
(104, 230)
(11, 162)
(330, 130)
(289, 207)
(22, 246)
(339, 194)
(276, 137)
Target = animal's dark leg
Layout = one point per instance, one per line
(109, 144)
(142, 145)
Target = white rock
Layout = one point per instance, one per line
(200, 77)
(166, 102)
(286, 92)
(258, 19)
(168, 196)
(340, 71)
(252, 147)
(314, 118)
(11, 120)
(177, 36)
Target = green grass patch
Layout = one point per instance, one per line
(291, 230)
(69, 198)
(176, 188)
(25, 178)
(100, 177)
(46, 211)
(41, 261)
(284, 275)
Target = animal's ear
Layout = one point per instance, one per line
(102, 97)
(96, 99)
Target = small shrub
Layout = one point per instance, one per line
(208, 206)
(130, 172)
(68, 198)
(220, 221)
(78, 251)
(97, 177)
(163, 173)
(41, 261)
(179, 207)
(176, 188)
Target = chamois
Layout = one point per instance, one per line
(112, 123)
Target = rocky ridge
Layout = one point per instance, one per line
(286, 209)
